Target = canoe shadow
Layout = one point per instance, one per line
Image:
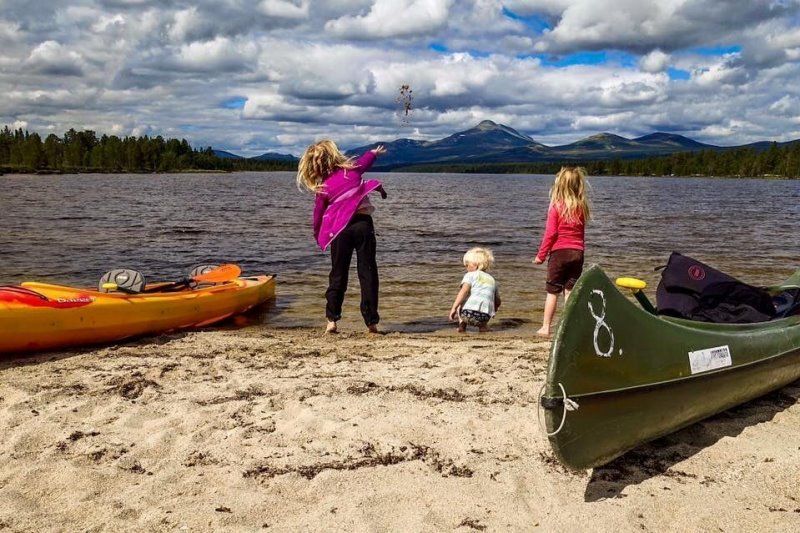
(657, 458)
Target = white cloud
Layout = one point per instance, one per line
(655, 61)
(726, 72)
(50, 57)
(284, 9)
(393, 18)
(218, 55)
(189, 23)
(9, 31)
(310, 68)
(642, 25)
(787, 104)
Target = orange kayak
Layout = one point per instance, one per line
(39, 316)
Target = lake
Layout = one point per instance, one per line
(72, 228)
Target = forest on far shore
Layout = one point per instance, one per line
(84, 151)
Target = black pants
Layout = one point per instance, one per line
(359, 235)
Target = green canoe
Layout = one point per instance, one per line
(631, 376)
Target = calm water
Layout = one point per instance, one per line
(71, 229)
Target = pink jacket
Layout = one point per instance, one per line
(561, 234)
(339, 199)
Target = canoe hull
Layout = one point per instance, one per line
(76, 317)
(637, 377)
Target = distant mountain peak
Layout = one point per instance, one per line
(224, 154)
(672, 138)
(486, 126)
(606, 135)
(272, 156)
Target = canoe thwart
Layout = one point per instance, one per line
(634, 284)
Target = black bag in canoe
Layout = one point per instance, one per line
(695, 291)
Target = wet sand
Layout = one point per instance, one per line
(287, 430)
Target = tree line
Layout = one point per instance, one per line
(84, 151)
(775, 161)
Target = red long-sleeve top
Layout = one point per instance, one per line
(560, 233)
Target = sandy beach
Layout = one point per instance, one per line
(288, 430)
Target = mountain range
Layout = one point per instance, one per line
(489, 142)
(268, 156)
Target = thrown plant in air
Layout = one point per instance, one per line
(405, 100)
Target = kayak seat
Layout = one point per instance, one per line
(126, 280)
(199, 271)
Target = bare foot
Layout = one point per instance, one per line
(544, 332)
(331, 328)
(373, 328)
(462, 328)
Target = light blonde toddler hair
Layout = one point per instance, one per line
(570, 193)
(318, 162)
(483, 258)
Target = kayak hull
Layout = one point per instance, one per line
(636, 376)
(68, 317)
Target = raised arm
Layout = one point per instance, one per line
(550, 234)
(364, 162)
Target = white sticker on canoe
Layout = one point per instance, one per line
(710, 359)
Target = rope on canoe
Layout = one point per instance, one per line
(569, 405)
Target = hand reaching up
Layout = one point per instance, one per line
(379, 150)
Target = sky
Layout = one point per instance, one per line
(276, 75)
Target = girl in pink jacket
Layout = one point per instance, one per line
(563, 240)
(343, 221)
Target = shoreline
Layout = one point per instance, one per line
(287, 429)
(29, 172)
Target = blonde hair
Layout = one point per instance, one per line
(569, 193)
(483, 258)
(318, 162)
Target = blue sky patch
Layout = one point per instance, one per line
(678, 74)
(716, 50)
(438, 47)
(534, 22)
(601, 57)
(237, 102)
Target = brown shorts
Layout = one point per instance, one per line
(563, 269)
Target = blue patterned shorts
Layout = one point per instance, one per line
(474, 318)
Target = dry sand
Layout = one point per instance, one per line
(287, 430)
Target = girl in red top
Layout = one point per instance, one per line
(563, 238)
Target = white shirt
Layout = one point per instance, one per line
(482, 290)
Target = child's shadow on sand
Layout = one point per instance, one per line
(435, 324)
(658, 457)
